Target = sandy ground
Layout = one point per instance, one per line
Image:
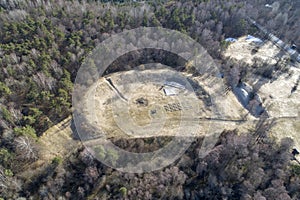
(284, 106)
(242, 50)
(281, 104)
(116, 112)
(55, 142)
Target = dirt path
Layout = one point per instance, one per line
(55, 142)
(124, 103)
(281, 103)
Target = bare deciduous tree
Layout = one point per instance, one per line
(3, 179)
(25, 148)
(9, 186)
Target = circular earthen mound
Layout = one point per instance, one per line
(146, 103)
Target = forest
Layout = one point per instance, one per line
(42, 46)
